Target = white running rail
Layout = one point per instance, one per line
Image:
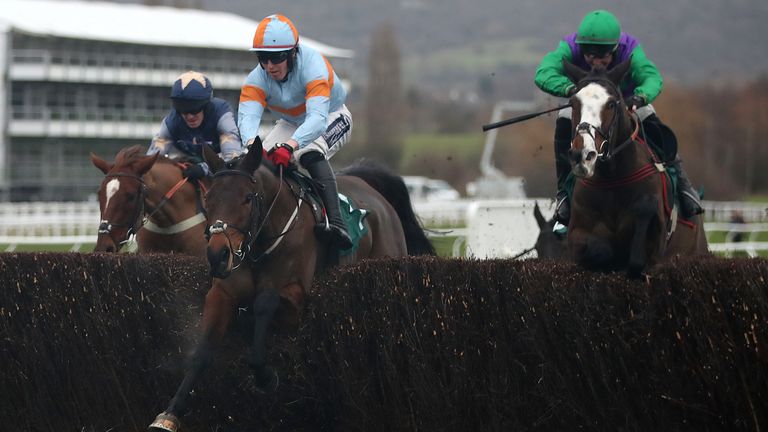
(60, 223)
(76, 223)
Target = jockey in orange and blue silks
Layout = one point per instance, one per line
(600, 41)
(299, 86)
(196, 118)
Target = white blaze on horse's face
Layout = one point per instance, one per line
(593, 98)
(112, 187)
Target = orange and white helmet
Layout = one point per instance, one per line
(275, 33)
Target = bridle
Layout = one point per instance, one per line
(592, 130)
(105, 226)
(257, 220)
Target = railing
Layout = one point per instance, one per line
(76, 223)
(48, 223)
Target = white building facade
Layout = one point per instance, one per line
(81, 77)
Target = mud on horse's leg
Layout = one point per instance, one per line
(264, 308)
(217, 314)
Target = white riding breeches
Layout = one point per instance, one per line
(336, 134)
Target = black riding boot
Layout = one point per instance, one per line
(562, 168)
(690, 205)
(320, 170)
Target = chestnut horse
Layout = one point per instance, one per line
(264, 251)
(147, 196)
(620, 214)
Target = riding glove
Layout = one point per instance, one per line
(195, 172)
(635, 101)
(280, 154)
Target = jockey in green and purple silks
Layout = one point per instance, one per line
(599, 41)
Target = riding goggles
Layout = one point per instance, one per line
(597, 51)
(186, 106)
(276, 57)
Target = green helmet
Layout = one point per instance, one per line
(599, 27)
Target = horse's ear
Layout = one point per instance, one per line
(101, 164)
(574, 72)
(539, 217)
(145, 164)
(617, 73)
(213, 160)
(252, 159)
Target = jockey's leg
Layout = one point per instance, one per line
(563, 129)
(690, 204)
(320, 170)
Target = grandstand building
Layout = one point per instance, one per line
(81, 76)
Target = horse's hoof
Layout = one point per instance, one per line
(165, 422)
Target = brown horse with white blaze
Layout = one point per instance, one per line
(264, 251)
(148, 196)
(620, 215)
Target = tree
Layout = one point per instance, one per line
(384, 101)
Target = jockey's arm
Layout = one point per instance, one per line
(646, 76)
(249, 112)
(161, 140)
(550, 76)
(315, 122)
(229, 136)
(253, 102)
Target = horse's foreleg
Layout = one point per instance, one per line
(590, 251)
(264, 308)
(217, 314)
(644, 210)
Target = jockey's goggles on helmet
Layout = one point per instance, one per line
(597, 51)
(187, 106)
(276, 57)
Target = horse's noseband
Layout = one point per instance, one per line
(218, 227)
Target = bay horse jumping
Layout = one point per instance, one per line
(620, 211)
(263, 251)
(148, 196)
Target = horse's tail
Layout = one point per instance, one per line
(392, 188)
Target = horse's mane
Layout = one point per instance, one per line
(129, 155)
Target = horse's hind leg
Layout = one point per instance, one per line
(264, 308)
(217, 314)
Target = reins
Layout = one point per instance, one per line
(105, 227)
(249, 238)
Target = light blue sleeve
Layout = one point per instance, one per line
(318, 104)
(252, 104)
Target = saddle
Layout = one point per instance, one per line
(353, 216)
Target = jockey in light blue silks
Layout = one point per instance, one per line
(300, 87)
(600, 41)
(196, 118)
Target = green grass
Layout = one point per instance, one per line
(444, 245)
(85, 247)
(461, 145)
